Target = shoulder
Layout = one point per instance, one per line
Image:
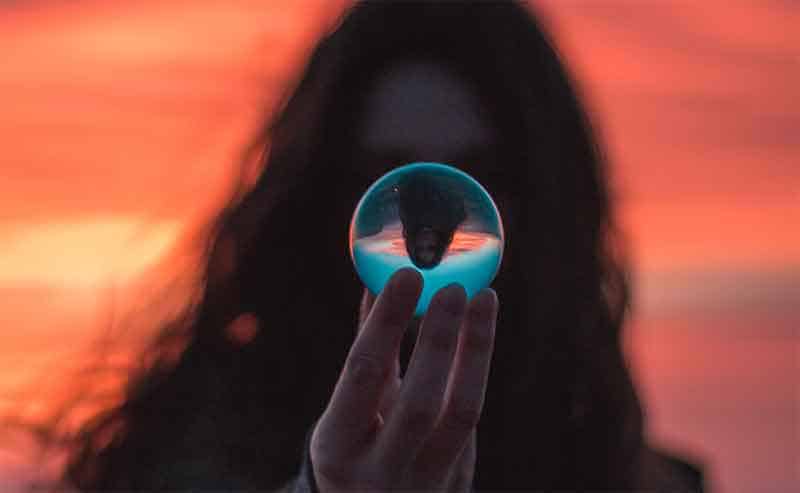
(663, 470)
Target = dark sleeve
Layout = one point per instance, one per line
(667, 472)
(692, 474)
(192, 475)
(304, 482)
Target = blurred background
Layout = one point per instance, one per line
(122, 122)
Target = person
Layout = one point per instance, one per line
(430, 211)
(525, 387)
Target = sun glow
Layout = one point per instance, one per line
(85, 251)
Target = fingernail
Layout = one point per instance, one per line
(409, 280)
(453, 285)
(406, 271)
(454, 297)
(490, 294)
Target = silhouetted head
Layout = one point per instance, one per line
(430, 213)
(479, 86)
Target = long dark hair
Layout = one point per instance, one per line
(561, 411)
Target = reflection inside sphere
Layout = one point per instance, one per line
(433, 218)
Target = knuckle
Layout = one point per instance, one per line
(365, 370)
(419, 418)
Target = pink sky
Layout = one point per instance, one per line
(121, 121)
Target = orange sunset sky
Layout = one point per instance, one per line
(121, 123)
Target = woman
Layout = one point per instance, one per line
(476, 85)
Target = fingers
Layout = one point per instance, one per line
(422, 394)
(380, 431)
(467, 387)
(355, 403)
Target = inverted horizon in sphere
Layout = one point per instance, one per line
(433, 218)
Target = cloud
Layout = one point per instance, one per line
(730, 292)
(685, 88)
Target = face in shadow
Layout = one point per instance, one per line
(427, 245)
(422, 111)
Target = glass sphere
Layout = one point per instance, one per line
(431, 217)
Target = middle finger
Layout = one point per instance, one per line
(422, 393)
(467, 387)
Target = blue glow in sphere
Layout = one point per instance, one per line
(433, 218)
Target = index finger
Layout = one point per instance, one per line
(356, 399)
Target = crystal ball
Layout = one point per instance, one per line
(433, 218)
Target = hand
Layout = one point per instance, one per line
(379, 432)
